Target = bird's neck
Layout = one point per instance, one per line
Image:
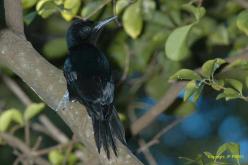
(80, 46)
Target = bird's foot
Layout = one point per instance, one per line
(63, 102)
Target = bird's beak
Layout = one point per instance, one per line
(99, 27)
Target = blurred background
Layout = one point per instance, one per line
(184, 132)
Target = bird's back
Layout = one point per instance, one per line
(89, 61)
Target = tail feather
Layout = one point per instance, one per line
(105, 138)
(111, 139)
(106, 131)
(97, 133)
(117, 128)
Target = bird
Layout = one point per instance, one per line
(89, 81)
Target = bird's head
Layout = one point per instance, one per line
(85, 31)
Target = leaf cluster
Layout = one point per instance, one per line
(229, 88)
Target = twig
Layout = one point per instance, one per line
(49, 149)
(16, 143)
(155, 139)
(27, 133)
(242, 3)
(126, 67)
(147, 153)
(169, 97)
(37, 143)
(14, 87)
(40, 128)
(161, 106)
(54, 131)
(151, 69)
(20, 158)
(68, 151)
(14, 128)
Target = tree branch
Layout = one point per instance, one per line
(49, 84)
(13, 15)
(243, 3)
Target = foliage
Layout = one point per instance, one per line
(226, 152)
(55, 156)
(242, 21)
(229, 88)
(14, 115)
(176, 26)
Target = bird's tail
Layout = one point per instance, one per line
(107, 129)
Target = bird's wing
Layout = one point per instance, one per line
(71, 77)
(94, 89)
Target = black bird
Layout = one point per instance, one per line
(89, 81)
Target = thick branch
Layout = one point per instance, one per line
(13, 15)
(48, 82)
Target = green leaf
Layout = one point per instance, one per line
(243, 64)
(89, 7)
(72, 159)
(176, 48)
(220, 96)
(71, 8)
(122, 117)
(218, 85)
(148, 6)
(184, 109)
(235, 84)
(185, 74)
(8, 116)
(219, 36)
(121, 5)
(231, 93)
(198, 12)
(209, 67)
(242, 21)
(233, 148)
(28, 18)
(33, 110)
(221, 149)
(46, 8)
(56, 48)
(192, 89)
(208, 155)
(28, 3)
(59, 2)
(132, 20)
(56, 157)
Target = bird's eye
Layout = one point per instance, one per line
(84, 32)
(86, 29)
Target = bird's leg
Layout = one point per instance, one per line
(63, 102)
